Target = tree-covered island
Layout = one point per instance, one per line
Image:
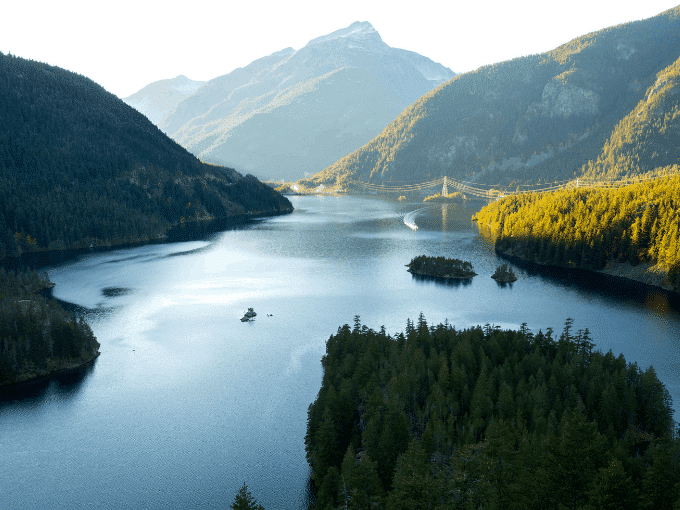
(441, 267)
(504, 274)
(442, 418)
(37, 336)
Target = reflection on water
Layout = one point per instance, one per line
(447, 282)
(660, 304)
(503, 285)
(602, 286)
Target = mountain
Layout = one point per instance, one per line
(537, 117)
(293, 113)
(79, 167)
(159, 98)
(648, 138)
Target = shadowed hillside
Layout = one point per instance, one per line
(78, 167)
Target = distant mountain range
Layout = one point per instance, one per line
(159, 98)
(602, 105)
(79, 168)
(294, 112)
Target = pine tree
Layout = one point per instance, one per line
(660, 481)
(613, 490)
(244, 500)
(574, 458)
(414, 487)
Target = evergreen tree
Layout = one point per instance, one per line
(613, 490)
(414, 487)
(660, 483)
(360, 484)
(486, 418)
(244, 500)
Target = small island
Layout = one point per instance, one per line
(249, 315)
(456, 196)
(441, 267)
(504, 274)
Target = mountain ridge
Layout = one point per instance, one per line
(161, 97)
(536, 117)
(225, 121)
(79, 168)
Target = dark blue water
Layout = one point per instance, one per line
(186, 403)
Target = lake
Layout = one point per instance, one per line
(186, 402)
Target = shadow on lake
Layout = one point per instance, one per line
(60, 386)
(591, 284)
(190, 231)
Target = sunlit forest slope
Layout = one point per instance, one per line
(535, 118)
(79, 167)
(488, 418)
(648, 138)
(585, 228)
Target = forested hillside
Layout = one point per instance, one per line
(79, 167)
(535, 118)
(648, 138)
(486, 418)
(585, 228)
(37, 336)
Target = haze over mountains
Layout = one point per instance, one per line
(159, 98)
(605, 103)
(295, 112)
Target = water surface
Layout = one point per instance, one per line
(186, 403)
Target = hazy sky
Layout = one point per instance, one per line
(129, 44)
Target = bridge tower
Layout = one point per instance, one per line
(445, 191)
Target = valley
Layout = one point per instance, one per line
(527, 357)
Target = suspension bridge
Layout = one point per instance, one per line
(491, 191)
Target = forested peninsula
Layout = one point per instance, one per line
(80, 168)
(37, 336)
(487, 418)
(593, 229)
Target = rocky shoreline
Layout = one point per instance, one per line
(442, 277)
(647, 273)
(650, 274)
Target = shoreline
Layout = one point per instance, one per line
(645, 272)
(446, 277)
(649, 274)
(41, 376)
(187, 231)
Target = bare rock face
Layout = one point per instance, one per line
(564, 100)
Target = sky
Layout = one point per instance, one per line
(124, 45)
